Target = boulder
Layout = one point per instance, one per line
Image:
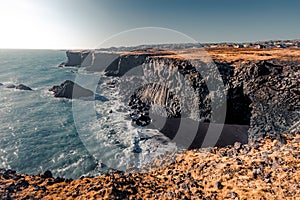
(47, 174)
(71, 90)
(1, 84)
(10, 86)
(23, 87)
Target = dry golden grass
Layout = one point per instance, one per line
(269, 169)
(226, 54)
(251, 54)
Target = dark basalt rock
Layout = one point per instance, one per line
(270, 85)
(238, 102)
(238, 106)
(262, 95)
(75, 58)
(23, 87)
(71, 90)
(100, 61)
(141, 102)
(121, 65)
(143, 120)
(1, 84)
(181, 131)
(47, 174)
(10, 86)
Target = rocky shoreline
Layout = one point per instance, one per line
(262, 85)
(263, 93)
(265, 169)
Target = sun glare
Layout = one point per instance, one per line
(22, 26)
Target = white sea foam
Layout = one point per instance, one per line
(37, 131)
(114, 141)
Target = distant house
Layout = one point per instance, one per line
(289, 44)
(280, 46)
(260, 46)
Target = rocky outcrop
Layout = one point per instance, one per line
(151, 94)
(114, 64)
(18, 87)
(273, 88)
(98, 61)
(75, 58)
(71, 90)
(10, 86)
(124, 63)
(262, 94)
(23, 87)
(162, 70)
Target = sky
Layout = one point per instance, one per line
(77, 24)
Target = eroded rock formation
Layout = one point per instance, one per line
(75, 58)
(263, 94)
(273, 88)
(71, 90)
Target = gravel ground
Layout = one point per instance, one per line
(265, 169)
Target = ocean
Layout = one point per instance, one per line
(38, 133)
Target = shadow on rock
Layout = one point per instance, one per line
(71, 90)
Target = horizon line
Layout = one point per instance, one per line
(204, 43)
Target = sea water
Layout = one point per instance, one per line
(38, 133)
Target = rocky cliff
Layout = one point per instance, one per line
(273, 87)
(75, 58)
(263, 94)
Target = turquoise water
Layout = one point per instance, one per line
(36, 130)
(38, 133)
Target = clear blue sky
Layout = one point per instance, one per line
(86, 23)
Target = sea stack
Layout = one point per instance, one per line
(71, 90)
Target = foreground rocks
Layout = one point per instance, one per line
(265, 169)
